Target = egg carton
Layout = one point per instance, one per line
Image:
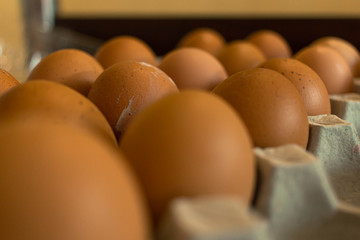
(302, 194)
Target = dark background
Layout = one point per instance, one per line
(162, 35)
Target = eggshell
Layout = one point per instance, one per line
(207, 39)
(357, 70)
(122, 48)
(7, 81)
(240, 55)
(345, 48)
(74, 68)
(51, 101)
(270, 106)
(310, 86)
(190, 143)
(332, 68)
(193, 68)
(58, 182)
(126, 88)
(271, 43)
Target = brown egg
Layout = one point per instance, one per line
(307, 82)
(193, 68)
(7, 81)
(332, 68)
(357, 70)
(270, 106)
(271, 43)
(74, 68)
(51, 101)
(59, 182)
(126, 88)
(207, 39)
(240, 55)
(190, 143)
(122, 48)
(345, 48)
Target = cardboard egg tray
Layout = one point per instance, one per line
(302, 194)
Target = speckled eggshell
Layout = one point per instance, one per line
(310, 86)
(271, 43)
(74, 68)
(240, 55)
(126, 88)
(345, 48)
(193, 68)
(51, 101)
(270, 106)
(122, 48)
(59, 182)
(207, 39)
(190, 143)
(332, 68)
(7, 81)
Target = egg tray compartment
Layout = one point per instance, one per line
(313, 194)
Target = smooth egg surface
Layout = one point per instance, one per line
(190, 143)
(270, 106)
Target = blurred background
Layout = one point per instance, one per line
(86, 23)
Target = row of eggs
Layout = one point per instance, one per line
(196, 141)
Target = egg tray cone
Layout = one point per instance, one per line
(311, 194)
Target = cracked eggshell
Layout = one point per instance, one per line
(190, 143)
(308, 83)
(270, 106)
(332, 68)
(7, 81)
(72, 67)
(126, 88)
